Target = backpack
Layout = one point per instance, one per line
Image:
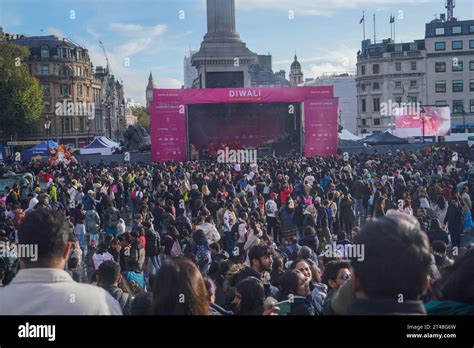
(329, 212)
(234, 231)
(112, 218)
(176, 249)
(124, 299)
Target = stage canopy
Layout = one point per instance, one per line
(347, 135)
(100, 146)
(39, 150)
(383, 139)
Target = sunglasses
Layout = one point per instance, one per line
(345, 276)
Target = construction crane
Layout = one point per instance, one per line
(109, 68)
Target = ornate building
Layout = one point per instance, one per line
(296, 73)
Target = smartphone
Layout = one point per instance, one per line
(284, 307)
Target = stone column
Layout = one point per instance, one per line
(220, 16)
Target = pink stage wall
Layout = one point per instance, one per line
(168, 115)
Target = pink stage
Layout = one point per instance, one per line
(170, 106)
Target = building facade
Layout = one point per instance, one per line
(450, 65)
(435, 71)
(80, 103)
(388, 73)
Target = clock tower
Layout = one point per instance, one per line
(149, 91)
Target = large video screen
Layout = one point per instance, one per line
(245, 126)
(409, 121)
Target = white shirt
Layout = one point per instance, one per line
(50, 291)
(210, 231)
(271, 208)
(99, 258)
(310, 179)
(32, 204)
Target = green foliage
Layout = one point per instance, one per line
(21, 96)
(143, 116)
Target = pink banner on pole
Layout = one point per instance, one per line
(321, 127)
(168, 115)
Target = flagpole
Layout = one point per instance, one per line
(394, 28)
(391, 27)
(363, 17)
(375, 37)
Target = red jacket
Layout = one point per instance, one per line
(285, 193)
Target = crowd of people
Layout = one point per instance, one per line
(368, 234)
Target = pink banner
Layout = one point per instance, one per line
(168, 115)
(321, 127)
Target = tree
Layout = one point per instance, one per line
(143, 116)
(21, 96)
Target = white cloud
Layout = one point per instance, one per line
(136, 29)
(168, 82)
(54, 31)
(317, 7)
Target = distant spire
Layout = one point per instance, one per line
(150, 78)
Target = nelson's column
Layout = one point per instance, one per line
(223, 60)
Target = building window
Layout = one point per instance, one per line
(47, 107)
(457, 45)
(440, 67)
(376, 104)
(64, 52)
(362, 86)
(65, 71)
(439, 31)
(375, 68)
(458, 107)
(413, 83)
(471, 107)
(364, 105)
(376, 121)
(67, 124)
(471, 29)
(456, 30)
(376, 85)
(441, 103)
(398, 66)
(79, 71)
(440, 46)
(79, 90)
(46, 90)
(457, 65)
(362, 69)
(398, 100)
(458, 85)
(413, 66)
(398, 84)
(65, 88)
(440, 86)
(398, 48)
(471, 44)
(45, 69)
(471, 86)
(413, 46)
(364, 122)
(471, 65)
(412, 99)
(45, 52)
(81, 124)
(88, 91)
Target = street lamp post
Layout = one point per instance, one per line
(422, 115)
(47, 126)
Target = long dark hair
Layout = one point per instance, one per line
(179, 289)
(253, 295)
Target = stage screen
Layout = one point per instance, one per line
(266, 126)
(409, 123)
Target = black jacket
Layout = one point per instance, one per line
(310, 241)
(152, 245)
(301, 306)
(386, 307)
(454, 218)
(437, 234)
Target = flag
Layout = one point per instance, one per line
(392, 19)
(362, 20)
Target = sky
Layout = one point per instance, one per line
(154, 35)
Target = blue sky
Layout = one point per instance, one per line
(325, 34)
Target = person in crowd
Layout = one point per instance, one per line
(296, 290)
(108, 278)
(455, 221)
(336, 273)
(436, 232)
(101, 255)
(309, 239)
(179, 289)
(406, 253)
(46, 278)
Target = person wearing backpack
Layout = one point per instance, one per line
(111, 220)
(152, 248)
(92, 226)
(108, 278)
(200, 248)
(171, 243)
